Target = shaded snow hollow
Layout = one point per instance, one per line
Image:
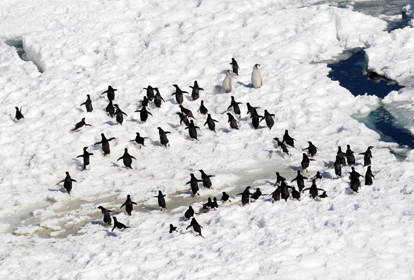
(84, 46)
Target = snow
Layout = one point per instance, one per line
(84, 46)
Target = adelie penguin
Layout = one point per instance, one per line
(150, 93)
(186, 112)
(350, 158)
(313, 190)
(225, 197)
(80, 124)
(288, 140)
(251, 109)
(279, 179)
(269, 119)
(208, 205)
(312, 150)
(256, 120)
(158, 98)
(195, 93)
(85, 157)
(173, 228)
(163, 137)
(107, 215)
(196, 227)
(143, 114)
(338, 166)
(19, 114)
(145, 102)
(105, 144)
(189, 213)
(281, 145)
(305, 162)
(203, 110)
(275, 195)
(368, 176)
(110, 93)
(139, 140)
(235, 66)
(211, 123)
(119, 114)
(118, 224)
(192, 130)
(284, 190)
(341, 155)
(367, 156)
(232, 121)
(226, 84)
(127, 159)
(88, 104)
(245, 199)
(183, 119)
(256, 77)
(110, 109)
(194, 184)
(256, 194)
(161, 200)
(206, 179)
(129, 205)
(235, 105)
(295, 193)
(67, 182)
(300, 181)
(179, 94)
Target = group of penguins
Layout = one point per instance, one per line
(153, 95)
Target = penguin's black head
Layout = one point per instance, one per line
(83, 119)
(128, 196)
(84, 148)
(17, 108)
(67, 173)
(126, 150)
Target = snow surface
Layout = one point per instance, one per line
(84, 46)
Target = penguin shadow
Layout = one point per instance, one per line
(114, 164)
(112, 123)
(80, 110)
(79, 164)
(97, 223)
(225, 130)
(62, 190)
(296, 168)
(245, 85)
(174, 125)
(218, 89)
(270, 183)
(110, 233)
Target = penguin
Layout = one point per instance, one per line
(129, 205)
(163, 137)
(139, 140)
(295, 193)
(211, 123)
(245, 199)
(235, 105)
(235, 66)
(355, 184)
(206, 179)
(275, 195)
(143, 114)
(226, 84)
(161, 200)
(110, 109)
(118, 224)
(323, 195)
(367, 156)
(256, 120)
(269, 119)
(192, 130)
(196, 227)
(350, 158)
(19, 114)
(284, 190)
(158, 98)
(305, 162)
(288, 140)
(312, 150)
(80, 125)
(279, 179)
(282, 146)
(251, 110)
(300, 181)
(203, 110)
(88, 104)
(195, 94)
(214, 204)
(341, 156)
(353, 174)
(232, 121)
(256, 194)
(85, 156)
(110, 93)
(183, 119)
(173, 228)
(189, 213)
(338, 166)
(150, 92)
(67, 182)
(186, 112)
(105, 144)
(119, 114)
(194, 184)
(368, 176)
(256, 77)
(225, 197)
(179, 94)
(127, 159)
(107, 216)
(317, 176)
(313, 190)
(145, 102)
(208, 205)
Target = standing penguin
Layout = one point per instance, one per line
(232, 121)
(85, 157)
(189, 213)
(143, 113)
(312, 150)
(192, 130)
(158, 98)
(206, 179)
(203, 110)
(186, 112)
(300, 181)
(251, 109)
(129, 204)
(282, 145)
(211, 123)
(179, 94)
(150, 92)
(226, 85)
(288, 140)
(19, 114)
(196, 226)
(183, 119)
(195, 94)
(163, 137)
(127, 159)
(279, 179)
(313, 190)
(269, 119)
(235, 66)
(350, 158)
(256, 120)
(341, 155)
(161, 200)
(107, 216)
(67, 182)
(235, 105)
(338, 166)
(139, 140)
(110, 109)
(110, 93)
(368, 176)
(119, 114)
(88, 104)
(194, 184)
(105, 144)
(245, 199)
(367, 156)
(305, 162)
(256, 77)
